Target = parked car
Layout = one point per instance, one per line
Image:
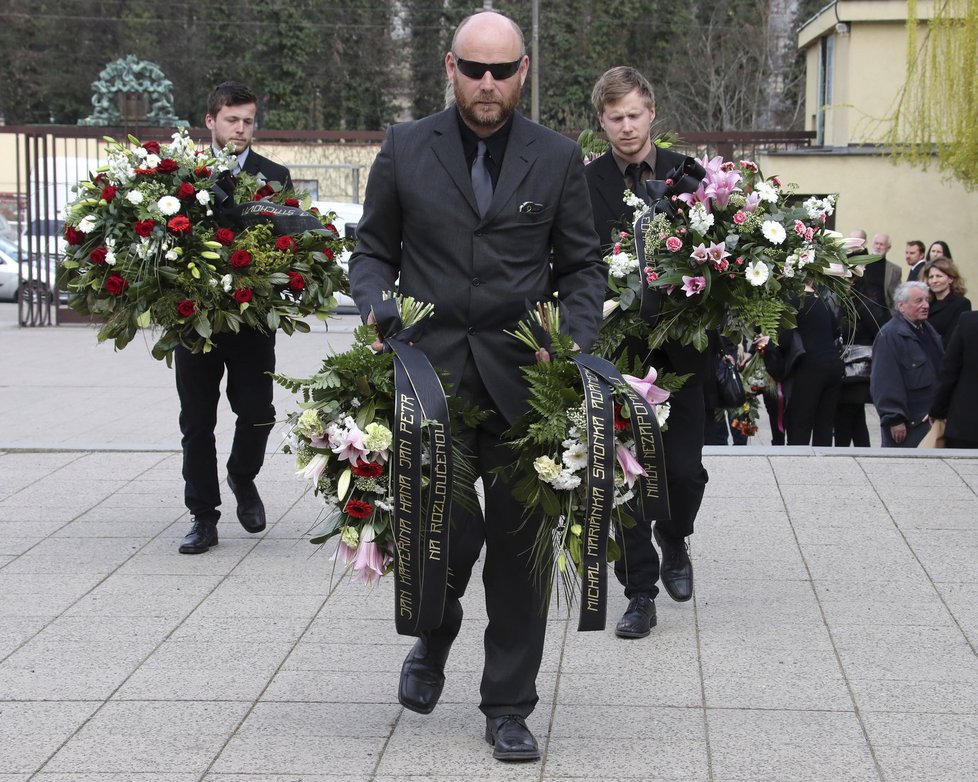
(15, 276)
(347, 217)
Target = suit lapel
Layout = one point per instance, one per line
(447, 146)
(521, 154)
(610, 184)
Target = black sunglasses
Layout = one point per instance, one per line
(476, 70)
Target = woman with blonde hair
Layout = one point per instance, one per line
(947, 296)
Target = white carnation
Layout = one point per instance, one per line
(134, 197)
(766, 192)
(203, 197)
(87, 224)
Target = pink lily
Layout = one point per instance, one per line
(630, 466)
(700, 254)
(693, 285)
(646, 388)
(369, 564)
(345, 553)
(350, 445)
(315, 468)
(721, 186)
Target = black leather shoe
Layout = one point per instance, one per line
(251, 510)
(638, 619)
(511, 739)
(422, 677)
(202, 535)
(676, 571)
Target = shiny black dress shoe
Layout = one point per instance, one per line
(202, 535)
(511, 739)
(638, 619)
(676, 571)
(251, 510)
(422, 677)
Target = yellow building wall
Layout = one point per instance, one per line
(878, 196)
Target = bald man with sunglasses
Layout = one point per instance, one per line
(478, 210)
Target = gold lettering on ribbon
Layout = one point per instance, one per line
(646, 431)
(405, 603)
(438, 488)
(592, 576)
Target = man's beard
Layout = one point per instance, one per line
(476, 116)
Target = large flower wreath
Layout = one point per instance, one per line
(557, 444)
(349, 441)
(731, 252)
(147, 246)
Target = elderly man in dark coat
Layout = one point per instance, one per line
(906, 357)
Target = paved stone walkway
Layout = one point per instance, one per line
(832, 636)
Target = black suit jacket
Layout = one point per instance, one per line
(256, 164)
(421, 223)
(606, 186)
(957, 382)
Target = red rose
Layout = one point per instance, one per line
(358, 509)
(97, 256)
(291, 202)
(296, 282)
(145, 171)
(367, 469)
(286, 244)
(332, 228)
(179, 224)
(153, 147)
(224, 235)
(116, 284)
(185, 191)
(240, 259)
(100, 179)
(168, 166)
(108, 192)
(186, 308)
(328, 253)
(202, 171)
(264, 192)
(144, 227)
(241, 295)
(73, 236)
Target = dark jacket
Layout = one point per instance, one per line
(902, 383)
(957, 384)
(607, 187)
(944, 314)
(256, 164)
(421, 223)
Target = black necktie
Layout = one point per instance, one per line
(481, 179)
(635, 170)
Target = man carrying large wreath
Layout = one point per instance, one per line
(625, 105)
(248, 356)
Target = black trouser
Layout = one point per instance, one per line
(248, 356)
(809, 412)
(850, 415)
(516, 607)
(682, 442)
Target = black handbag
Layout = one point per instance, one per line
(857, 363)
(730, 388)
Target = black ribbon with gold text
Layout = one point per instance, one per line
(421, 517)
(599, 377)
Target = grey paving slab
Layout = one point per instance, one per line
(46, 776)
(914, 695)
(870, 602)
(150, 737)
(681, 757)
(786, 746)
(263, 755)
(58, 556)
(31, 732)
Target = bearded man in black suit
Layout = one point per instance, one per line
(625, 104)
(248, 356)
(477, 210)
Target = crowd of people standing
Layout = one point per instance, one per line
(897, 347)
